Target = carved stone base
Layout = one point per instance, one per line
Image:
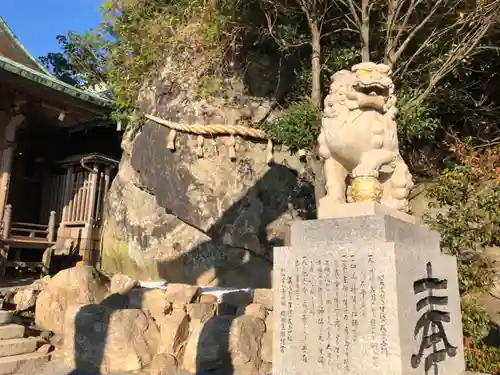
(366, 208)
(371, 294)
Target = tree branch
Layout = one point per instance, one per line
(365, 30)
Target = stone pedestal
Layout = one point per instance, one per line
(370, 294)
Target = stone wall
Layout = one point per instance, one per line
(173, 330)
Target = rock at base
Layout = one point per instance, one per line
(181, 294)
(97, 337)
(264, 297)
(225, 342)
(162, 364)
(77, 285)
(174, 329)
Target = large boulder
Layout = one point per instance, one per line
(100, 338)
(225, 343)
(77, 285)
(203, 220)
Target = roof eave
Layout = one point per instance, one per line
(17, 42)
(53, 83)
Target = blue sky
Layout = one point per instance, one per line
(37, 22)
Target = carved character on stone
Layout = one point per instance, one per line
(431, 323)
(359, 142)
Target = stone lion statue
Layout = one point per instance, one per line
(359, 137)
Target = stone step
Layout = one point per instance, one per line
(11, 331)
(25, 364)
(6, 317)
(17, 346)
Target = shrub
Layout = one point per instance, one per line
(469, 193)
(298, 127)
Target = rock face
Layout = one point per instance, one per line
(202, 220)
(77, 285)
(112, 340)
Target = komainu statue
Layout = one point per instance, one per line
(359, 142)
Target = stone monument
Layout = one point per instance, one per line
(365, 289)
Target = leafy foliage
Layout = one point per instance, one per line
(479, 355)
(61, 68)
(475, 321)
(469, 193)
(82, 61)
(482, 358)
(298, 127)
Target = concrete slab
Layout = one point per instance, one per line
(17, 346)
(6, 317)
(25, 364)
(11, 331)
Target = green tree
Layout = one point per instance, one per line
(82, 61)
(59, 65)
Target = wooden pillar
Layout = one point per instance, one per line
(7, 158)
(51, 229)
(4, 251)
(88, 256)
(93, 194)
(107, 182)
(66, 198)
(107, 178)
(7, 221)
(100, 197)
(69, 194)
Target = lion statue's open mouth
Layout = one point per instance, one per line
(371, 87)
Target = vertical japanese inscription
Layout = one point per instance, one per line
(329, 309)
(432, 320)
(320, 310)
(283, 313)
(354, 298)
(383, 316)
(337, 297)
(373, 308)
(337, 313)
(345, 312)
(304, 353)
(289, 312)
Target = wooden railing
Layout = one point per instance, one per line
(21, 236)
(28, 231)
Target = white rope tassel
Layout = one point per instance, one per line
(199, 149)
(214, 144)
(232, 151)
(171, 140)
(270, 156)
